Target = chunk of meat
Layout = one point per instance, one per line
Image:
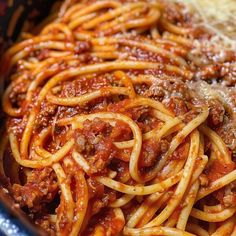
(151, 151)
(227, 131)
(95, 144)
(216, 112)
(40, 188)
(176, 105)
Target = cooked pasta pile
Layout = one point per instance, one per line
(120, 120)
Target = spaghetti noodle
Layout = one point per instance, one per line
(106, 133)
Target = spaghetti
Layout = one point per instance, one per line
(109, 130)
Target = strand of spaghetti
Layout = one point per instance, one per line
(125, 79)
(83, 36)
(174, 129)
(56, 54)
(212, 209)
(71, 73)
(41, 76)
(138, 214)
(35, 40)
(119, 215)
(61, 46)
(200, 165)
(201, 147)
(161, 116)
(217, 184)
(155, 33)
(156, 133)
(216, 155)
(37, 145)
(182, 185)
(134, 157)
(83, 99)
(59, 27)
(177, 140)
(216, 139)
(150, 213)
(213, 217)
(139, 79)
(140, 190)
(122, 201)
(39, 141)
(171, 221)
(81, 203)
(6, 104)
(154, 201)
(213, 154)
(226, 228)
(80, 160)
(150, 47)
(112, 174)
(151, 18)
(105, 67)
(95, 7)
(174, 47)
(122, 18)
(28, 65)
(67, 13)
(108, 55)
(173, 28)
(141, 101)
(188, 204)
(196, 229)
(98, 68)
(178, 39)
(155, 49)
(104, 48)
(39, 163)
(164, 231)
(174, 166)
(65, 75)
(80, 20)
(64, 184)
(52, 218)
(27, 134)
(112, 14)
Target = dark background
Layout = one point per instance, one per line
(31, 10)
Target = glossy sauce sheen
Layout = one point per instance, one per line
(182, 91)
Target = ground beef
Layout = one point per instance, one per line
(95, 144)
(176, 105)
(227, 132)
(40, 188)
(152, 151)
(216, 112)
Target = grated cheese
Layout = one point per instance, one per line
(219, 17)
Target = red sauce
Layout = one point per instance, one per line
(218, 169)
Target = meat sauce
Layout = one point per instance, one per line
(95, 140)
(216, 170)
